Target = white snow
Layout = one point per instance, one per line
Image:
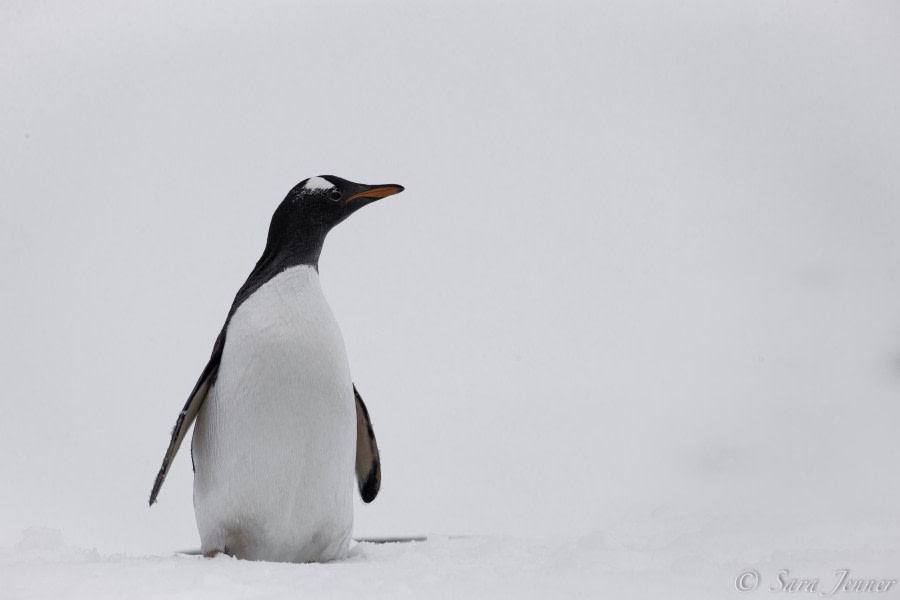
(665, 557)
(318, 183)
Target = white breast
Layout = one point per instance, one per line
(274, 442)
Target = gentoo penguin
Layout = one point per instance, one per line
(279, 423)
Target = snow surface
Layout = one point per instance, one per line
(661, 558)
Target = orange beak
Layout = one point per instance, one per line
(376, 192)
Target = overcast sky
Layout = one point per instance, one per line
(646, 260)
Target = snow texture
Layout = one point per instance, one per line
(664, 557)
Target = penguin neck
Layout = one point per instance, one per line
(296, 247)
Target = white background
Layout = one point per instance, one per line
(646, 263)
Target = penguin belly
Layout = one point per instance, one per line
(274, 443)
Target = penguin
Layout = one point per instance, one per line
(280, 426)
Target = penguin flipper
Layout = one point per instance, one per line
(368, 461)
(189, 413)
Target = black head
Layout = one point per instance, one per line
(311, 209)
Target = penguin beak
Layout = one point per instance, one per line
(375, 192)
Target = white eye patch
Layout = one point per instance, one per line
(317, 183)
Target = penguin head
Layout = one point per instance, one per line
(327, 200)
(314, 206)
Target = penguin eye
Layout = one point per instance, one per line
(335, 195)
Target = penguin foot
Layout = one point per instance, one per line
(212, 553)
